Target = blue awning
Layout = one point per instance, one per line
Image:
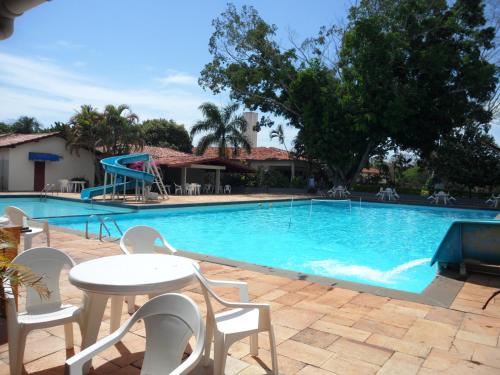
(43, 156)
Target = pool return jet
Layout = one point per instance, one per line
(126, 172)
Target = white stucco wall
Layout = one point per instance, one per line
(4, 169)
(22, 170)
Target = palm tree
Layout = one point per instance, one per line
(224, 128)
(280, 134)
(123, 133)
(26, 125)
(86, 133)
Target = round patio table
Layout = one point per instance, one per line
(123, 275)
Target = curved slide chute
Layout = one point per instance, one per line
(116, 168)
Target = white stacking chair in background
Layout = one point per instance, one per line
(16, 215)
(227, 189)
(242, 320)
(64, 186)
(39, 312)
(380, 194)
(170, 321)
(142, 239)
(178, 189)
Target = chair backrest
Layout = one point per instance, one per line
(141, 239)
(15, 215)
(47, 263)
(207, 293)
(170, 321)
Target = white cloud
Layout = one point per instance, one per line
(50, 92)
(178, 78)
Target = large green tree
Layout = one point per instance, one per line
(221, 127)
(401, 73)
(166, 133)
(26, 125)
(468, 157)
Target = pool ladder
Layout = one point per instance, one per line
(102, 224)
(45, 191)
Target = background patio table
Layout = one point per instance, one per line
(123, 275)
(76, 186)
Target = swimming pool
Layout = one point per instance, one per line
(386, 245)
(52, 207)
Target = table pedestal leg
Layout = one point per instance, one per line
(28, 241)
(116, 313)
(94, 307)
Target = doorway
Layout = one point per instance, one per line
(39, 179)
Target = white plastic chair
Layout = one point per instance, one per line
(178, 189)
(142, 239)
(242, 320)
(395, 194)
(227, 189)
(64, 186)
(380, 194)
(170, 321)
(16, 215)
(493, 200)
(39, 312)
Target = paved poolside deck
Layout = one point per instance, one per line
(321, 330)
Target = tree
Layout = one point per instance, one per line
(87, 133)
(225, 129)
(26, 125)
(4, 128)
(402, 73)
(278, 133)
(166, 133)
(121, 134)
(467, 157)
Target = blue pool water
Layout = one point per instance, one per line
(37, 208)
(380, 244)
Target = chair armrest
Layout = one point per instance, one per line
(74, 365)
(245, 305)
(124, 248)
(241, 285)
(38, 223)
(168, 246)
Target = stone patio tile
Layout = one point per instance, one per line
(481, 324)
(239, 349)
(477, 338)
(401, 364)
(310, 305)
(349, 366)
(438, 335)
(271, 296)
(416, 349)
(295, 285)
(447, 316)
(280, 333)
(312, 370)
(391, 317)
(336, 297)
(406, 308)
(463, 348)
(273, 279)
(290, 299)
(369, 300)
(340, 330)
(379, 327)
(295, 318)
(286, 365)
(339, 317)
(485, 354)
(304, 353)
(315, 338)
(315, 290)
(234, 366)
(129, 350)
(38, 348)
(447, 363)
(376, 355)
(258, 288)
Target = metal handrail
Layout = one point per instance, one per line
(109, 218)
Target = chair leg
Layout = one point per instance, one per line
(220, 354)
(130, 304)
(68, 335)
(16, 352)
(209, 335)
(254, 344)
(116, 313)
(274, 355)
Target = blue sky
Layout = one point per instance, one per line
(147, 54)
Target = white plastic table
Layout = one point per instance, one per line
(123, 275)
(76, 186)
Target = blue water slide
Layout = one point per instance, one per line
(470, 240)
(117, 165)
(92, 192)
